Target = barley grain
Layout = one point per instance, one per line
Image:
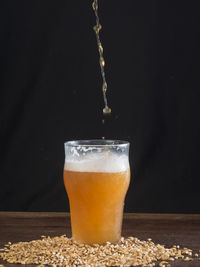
(63, 251)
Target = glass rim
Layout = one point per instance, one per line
(97, 143)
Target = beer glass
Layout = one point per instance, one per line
(96, 178)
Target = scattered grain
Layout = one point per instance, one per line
(188, 259)
(63, 251)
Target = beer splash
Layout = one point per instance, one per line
(97, 28)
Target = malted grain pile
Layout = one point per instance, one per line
(63, 251)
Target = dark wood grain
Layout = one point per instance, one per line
(168, 229)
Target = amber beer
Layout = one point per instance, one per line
(96, 185)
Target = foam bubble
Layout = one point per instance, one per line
(102, 162)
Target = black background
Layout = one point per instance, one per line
(51, 92)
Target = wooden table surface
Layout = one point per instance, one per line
(168, 229)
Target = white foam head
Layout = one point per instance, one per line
(98, 162)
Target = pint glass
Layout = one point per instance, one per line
(96, 178)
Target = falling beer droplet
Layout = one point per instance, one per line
(100, 48)
(106, 110)
(102, 62)
(97, 28)
(104, 87)
(95, 5)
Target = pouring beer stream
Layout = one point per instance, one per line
(97, 28)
